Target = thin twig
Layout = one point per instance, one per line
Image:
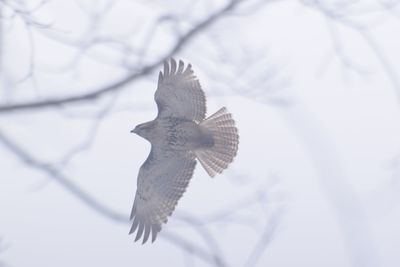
(211, 257)
(265, 239)
(119, 85)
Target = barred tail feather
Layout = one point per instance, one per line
(226, 139)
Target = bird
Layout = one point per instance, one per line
(180, 135)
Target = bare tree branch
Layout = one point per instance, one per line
(340, 16)
(208, 237)
(383, 60)
(193, 249)
(57, 176)
(265, 239)
(335, 183)
(119, 85)
(212, 257)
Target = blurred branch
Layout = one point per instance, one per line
(340, 15)
(119, 85)
(335, 182)
(340, 51)
(25, 14)
(210, 257)
(227, 213)
(265, 239)
(207, 236)
(384, 199)
(383, 60)
(88, 140)
(213, 255)
(57, 176)
(192, 249)
(2, 248)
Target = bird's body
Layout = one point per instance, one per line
(179, 135)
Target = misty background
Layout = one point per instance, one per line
(314, 86)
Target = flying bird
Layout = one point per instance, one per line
(179, 135)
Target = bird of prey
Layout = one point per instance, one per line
(179, 135)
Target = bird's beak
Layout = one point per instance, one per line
(133, 131)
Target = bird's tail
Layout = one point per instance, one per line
(215, 159)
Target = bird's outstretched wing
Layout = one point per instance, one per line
(179, 93)
(162, 180)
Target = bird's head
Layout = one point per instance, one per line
(143, 129)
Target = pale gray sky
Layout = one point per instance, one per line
(314, 88)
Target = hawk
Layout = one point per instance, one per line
(179, 135)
